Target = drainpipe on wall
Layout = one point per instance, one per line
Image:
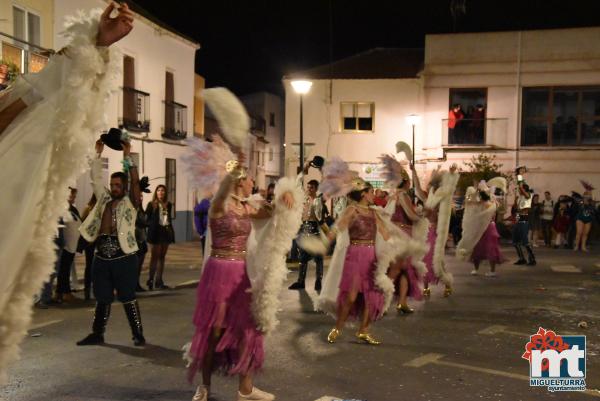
(518, 100)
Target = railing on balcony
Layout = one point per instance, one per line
(21, 56)
(175, 120)
(134, 108)
(489, 132)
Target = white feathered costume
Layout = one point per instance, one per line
(476, 218)
(42, 151)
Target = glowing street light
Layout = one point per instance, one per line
(301, 87)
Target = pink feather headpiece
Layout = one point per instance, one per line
(393, 170)
(337, 178)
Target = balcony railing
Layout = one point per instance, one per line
(134, 106)
(175, 121)
(489, 132)
(22, 56)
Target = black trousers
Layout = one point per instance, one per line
(87, 275)
(547, 231)
(63, 285)
(119, 274)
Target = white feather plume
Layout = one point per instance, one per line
(205, 164)
(230, 113)
(393, 171)
(337, 178)
(498, 182)
(403, 147)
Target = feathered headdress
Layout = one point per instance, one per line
(393, 171)
(230, 113)
(586, 185)
(337, 178)
(205, 163)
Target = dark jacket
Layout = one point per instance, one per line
(153, 216)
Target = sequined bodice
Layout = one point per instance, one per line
(363, 227)
(230, 232)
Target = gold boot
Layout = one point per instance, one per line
(333, 335)
(447, 292)
(404, 308)
(427, 292)
(367, 338)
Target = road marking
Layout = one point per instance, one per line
(436, 360)
(499, 329)
(565, 269)
(187, 283)
(44, 324)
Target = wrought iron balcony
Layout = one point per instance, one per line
(134, 108)
(484, 132)
(175, 121)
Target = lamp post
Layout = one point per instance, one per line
(413, 119)
(301, 87)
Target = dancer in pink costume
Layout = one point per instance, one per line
(244, 268)
(356, 285)
(437, 200)
(480, 240)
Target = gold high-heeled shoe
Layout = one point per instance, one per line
(427, 292)
(333, 335)
(367, 338)
(447, 292)
(404, 308)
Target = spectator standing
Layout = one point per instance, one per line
(201, 220)
(535, 222)
(561, 223)
(160, 235)
(546, 218)
(455, 115)
(71, 222)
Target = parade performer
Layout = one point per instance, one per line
(438, 210)
(312, 216)
(585, 215)
(111, 225)
(48, 123)
(406, 273)
(520, 235)
(480, 240)
(356, 285)
(237, 296)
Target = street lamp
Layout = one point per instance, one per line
(413, 119)
(301, 87)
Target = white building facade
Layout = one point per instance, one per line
(528, 98)
(155, 104)
(266, 149)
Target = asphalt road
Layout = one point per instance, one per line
(465, 347)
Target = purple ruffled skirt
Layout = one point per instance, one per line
(430, 277)
(488, 247)
(358, 277)
(414, 288)
(223, 301)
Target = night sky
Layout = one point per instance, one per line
(249, 46)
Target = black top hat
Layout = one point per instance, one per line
(144, 185)
(317, 162)
(112, 139)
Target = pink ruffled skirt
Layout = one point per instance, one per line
(358, 277)
(223, 301)
(414, 287)
(430, 277)
(488, 247)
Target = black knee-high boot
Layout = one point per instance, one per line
(530, 255)
(101, 315)
(132, 310)
(319, 273)
(521, 256)
(299, 285)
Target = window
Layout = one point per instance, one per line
(26, 26)
(270, 154)
(171, 182)
(271, 119)
(357, 116)
(560, 116)
(467, 116)
(135, 103)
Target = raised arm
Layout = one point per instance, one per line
(421, 194)
(134, 178)
(217, 207)
(407, 205)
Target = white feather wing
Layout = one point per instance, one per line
(230, 113)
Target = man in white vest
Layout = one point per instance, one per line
(112, 225)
